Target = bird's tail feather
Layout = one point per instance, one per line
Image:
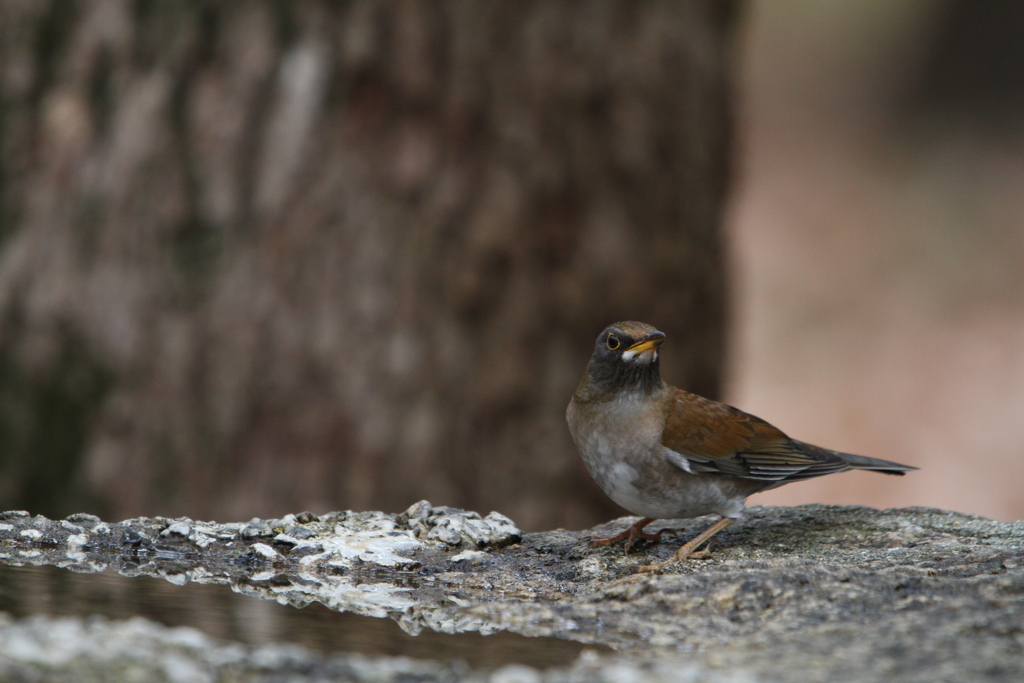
(860, 462)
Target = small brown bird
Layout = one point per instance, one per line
(664, 453)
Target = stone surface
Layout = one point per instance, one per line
(790, 594)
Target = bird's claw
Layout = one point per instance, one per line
(631, 535)
(677, 557)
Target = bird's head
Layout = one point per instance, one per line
(625, 359)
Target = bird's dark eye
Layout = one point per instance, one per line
(612, 342)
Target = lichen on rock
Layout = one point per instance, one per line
(790, 594)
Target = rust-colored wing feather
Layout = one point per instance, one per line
(715, 438)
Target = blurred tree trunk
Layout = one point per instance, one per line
(971, 72)
(258, 257)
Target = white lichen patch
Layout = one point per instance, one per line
(265, 551)
(458, 527)
(472, 556)
(381, 547)
(77, 540)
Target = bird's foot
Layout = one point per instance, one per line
(631, 535)
(677, 557)
(689, 551)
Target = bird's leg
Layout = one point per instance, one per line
(630, 535)
(688, 549)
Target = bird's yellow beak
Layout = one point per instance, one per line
(651, 341)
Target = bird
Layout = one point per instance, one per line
(664, 453)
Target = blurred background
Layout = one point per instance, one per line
(261, 257)
(877, 238)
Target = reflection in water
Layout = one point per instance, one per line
(436, 569)
(789, 581)
(224, 614)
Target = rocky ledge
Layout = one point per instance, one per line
(791, 594)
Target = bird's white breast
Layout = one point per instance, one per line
(613, 440)
(620, 442)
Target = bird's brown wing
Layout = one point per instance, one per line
(710, 437)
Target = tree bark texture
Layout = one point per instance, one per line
(264, 256)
